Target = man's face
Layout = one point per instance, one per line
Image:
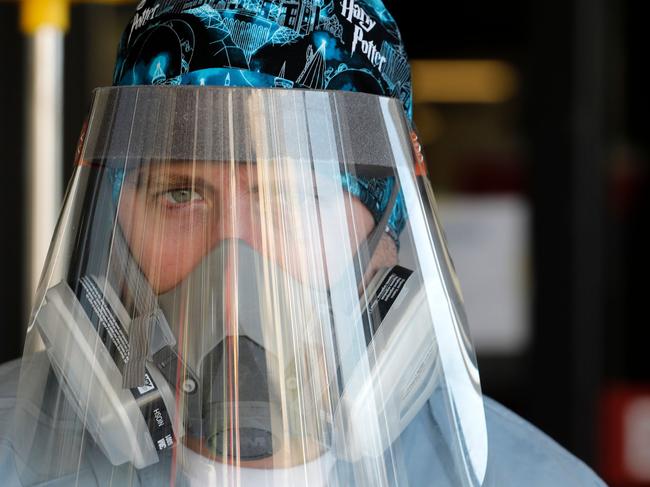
(173, 214)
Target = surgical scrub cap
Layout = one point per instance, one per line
(351, 45)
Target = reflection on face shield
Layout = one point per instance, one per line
(257, 351)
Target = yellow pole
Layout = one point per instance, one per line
(35, 14)
(44, 23)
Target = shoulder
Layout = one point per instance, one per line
(47, 420)
(9, 373)
(520, 454)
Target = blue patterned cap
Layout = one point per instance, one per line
(351, 45)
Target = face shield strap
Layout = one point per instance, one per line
(149, 331)
(363, 258)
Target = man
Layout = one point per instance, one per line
(249, 285)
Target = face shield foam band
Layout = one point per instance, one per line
(217, 286)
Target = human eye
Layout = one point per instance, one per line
(180, 197)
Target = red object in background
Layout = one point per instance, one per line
(625, 435)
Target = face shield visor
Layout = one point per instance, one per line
(218, 308)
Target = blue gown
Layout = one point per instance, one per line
(519, 454)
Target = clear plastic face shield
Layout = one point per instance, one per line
(217, 308)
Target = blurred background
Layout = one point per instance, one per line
(534, 119)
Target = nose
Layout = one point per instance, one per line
(238, 218)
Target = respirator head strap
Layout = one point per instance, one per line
(148, 330)
(366, 252)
